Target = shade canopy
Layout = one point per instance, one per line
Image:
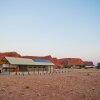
(25, 61)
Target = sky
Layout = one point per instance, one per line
(61, 28)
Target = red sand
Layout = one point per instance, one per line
(75, 84)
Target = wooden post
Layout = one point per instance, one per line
(9, 69)
(38, 69)
(33, 70)
(43, 69)
(23, 70)
(47, 69)
(53, 69)
(50, 69)
(16, 70)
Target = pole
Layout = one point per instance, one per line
(38, 69)
(9, 69)
(23, 70)
(50, 69)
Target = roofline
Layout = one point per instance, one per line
(34, 63)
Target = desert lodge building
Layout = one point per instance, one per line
(22, 66)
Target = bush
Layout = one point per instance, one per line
(98, 67)
(82, 66)
(67, 66)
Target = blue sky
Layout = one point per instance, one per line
(62, 28)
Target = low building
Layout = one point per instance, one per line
(98, 66)
(54, 60)
(89, 64)
(12, 65)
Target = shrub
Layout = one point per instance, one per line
(67, 66)
(98, 67)
(82, 66)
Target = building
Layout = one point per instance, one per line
(12, 65)
(89, 64)
(98, 66)
(54, 60)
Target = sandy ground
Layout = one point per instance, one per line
(71, 84)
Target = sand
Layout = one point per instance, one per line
(71, 84)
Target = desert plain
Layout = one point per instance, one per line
(66, 84)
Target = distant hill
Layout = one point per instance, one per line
(71, 61)
(59, 63)
(9, 54)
